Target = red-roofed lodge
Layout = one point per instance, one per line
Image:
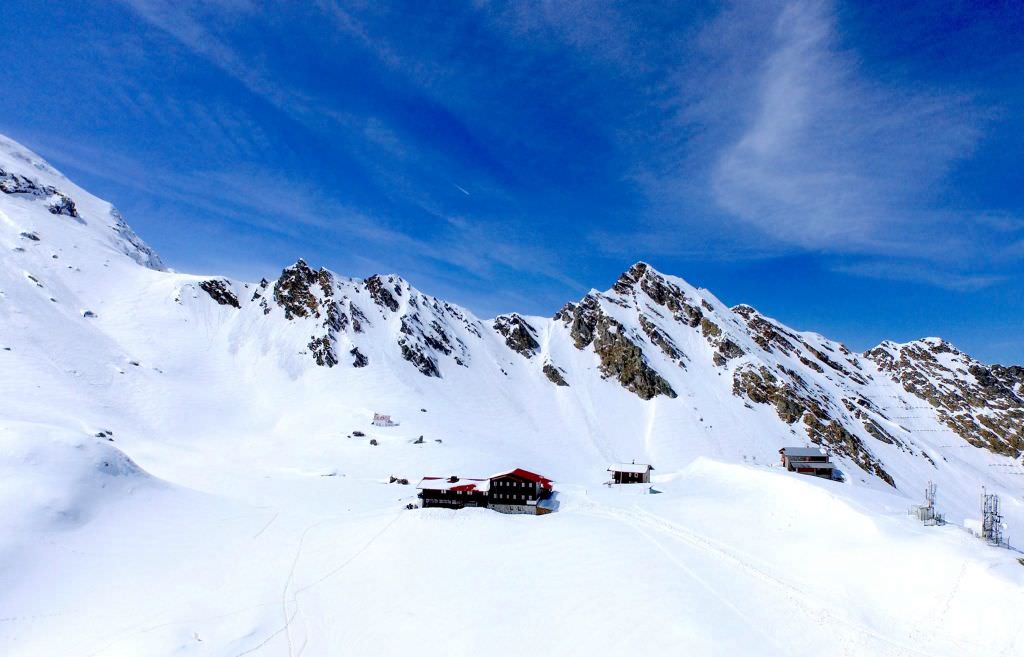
(513, 491)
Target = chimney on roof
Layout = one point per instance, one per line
(452, 479)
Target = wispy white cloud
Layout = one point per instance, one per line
(475, 245)
(831, 160)
(895, 269)
(758, 135)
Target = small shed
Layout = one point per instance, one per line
(631, 473)
(382, 420)
(807, 460)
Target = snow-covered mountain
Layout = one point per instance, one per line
(130, 389)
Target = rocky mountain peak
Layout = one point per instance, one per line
(983, 404)
(629, 278)
(651, 335)
(294, 290)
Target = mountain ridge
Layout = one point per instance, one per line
(652, 334)
(191, 466)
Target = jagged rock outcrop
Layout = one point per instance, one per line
(304, 293)
(555, 375)
(259, 295)
(60, 203)
(519, 335)
(767, 334)
(421, 360)
(795, 400)
(832, 434)
(294, 293)
(581, 319)
(662, 292)
(725, 348)
(983, 404)
(623, 359)
(220, 291)
(381, 291)
(660, 339)
(323, 351)
(620, 355)
(761, 386)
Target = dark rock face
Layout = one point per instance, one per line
(837, 437)
(767, 334)
(382, 296)
(220, 292)
(293, 290)
(421, 360)
(12, 183)
(760, 386)
(662, 341)
(425, 326)
(358, 359)
(258, 295)
(323, 351)
(620, 356)
(582, 319)
(661, 291)
(519, 335)
(709, 328)
(726, 349)
(729, 349)
(555, 375)
(303, 293)
(983, 404)
(794, 400)
(358, 318)
(63, 205)
(421, 343)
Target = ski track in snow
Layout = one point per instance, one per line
(640, 519)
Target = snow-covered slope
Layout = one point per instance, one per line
(180, 472)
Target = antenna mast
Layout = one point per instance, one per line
(991, 518)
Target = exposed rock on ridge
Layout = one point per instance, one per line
(982, 404)
(519, 335)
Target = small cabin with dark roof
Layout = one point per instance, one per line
(630, 473)
(807, 460)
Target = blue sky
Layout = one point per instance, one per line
(849, 168)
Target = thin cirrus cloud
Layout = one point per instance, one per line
(777, 141)
(832, 161)
(472, 244)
